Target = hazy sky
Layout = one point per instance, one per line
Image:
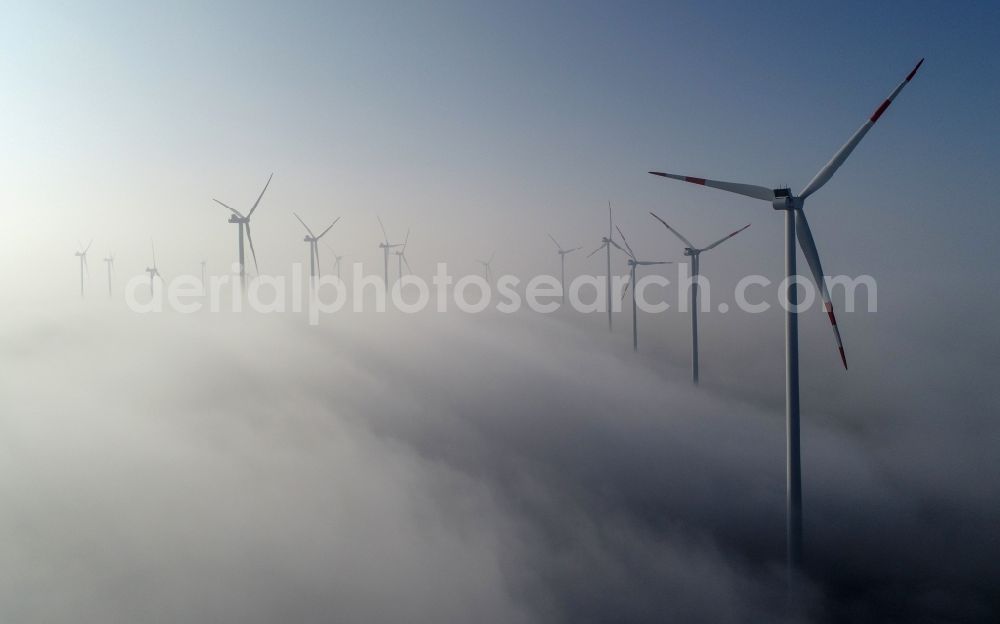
(482, 125)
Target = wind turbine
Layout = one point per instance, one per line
(606, 242)
(694, 253)
(153, 271)
(486, 266)
(82, 255)
(110, 261)
(562, 264)
(633, 262)
(797, 227)
(313, 240)
(386, 246)
(336, 259)
(401, 255)
(203, 274)
(244, 223)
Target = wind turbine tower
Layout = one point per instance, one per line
(82, 255)
(634, 262)
(385, 246)
(606, 242)
(153, 271)
(797, 228)
(695, 254)
(244, 225)
(313, 240)
(110, 262)
(401, 255)
(562, 265)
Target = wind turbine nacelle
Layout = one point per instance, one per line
(234, 219)
(306, 239)
(688, 251)
(783, 199)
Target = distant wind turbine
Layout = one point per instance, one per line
(385, 246)
(796, 226)
(313, 240)
(401, 255)
(337, 260)
(694, 253)
(606, 242)
(633, 262)
(153, 271)
(82, 255)
(562, 264)
(244, 223)
(487, 270)
(110, 262)
(203, 274)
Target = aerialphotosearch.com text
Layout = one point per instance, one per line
(472, 294)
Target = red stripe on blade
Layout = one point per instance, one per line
(829, 312)
(700, 181)
(881, 109)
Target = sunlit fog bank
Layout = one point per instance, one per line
(385, 468)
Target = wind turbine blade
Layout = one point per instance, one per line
(319, 269)
(622, 250)
(492, 255)
(252, 252)
(230, 208)
(725, 238)
(304, 225)
(382, 225)
(569, 251)
(328, 229)
(558, 246)
(750, 190)
(622, 234)
(603, 245)
(407, 263)
(675, 232)
(610, 232)
(651, 262)
(88, 246)
(808, 246)
(625, 290)
(824, 174)
(406, 239)
(250, 214)
(152, 245)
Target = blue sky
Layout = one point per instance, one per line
(483, 125)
